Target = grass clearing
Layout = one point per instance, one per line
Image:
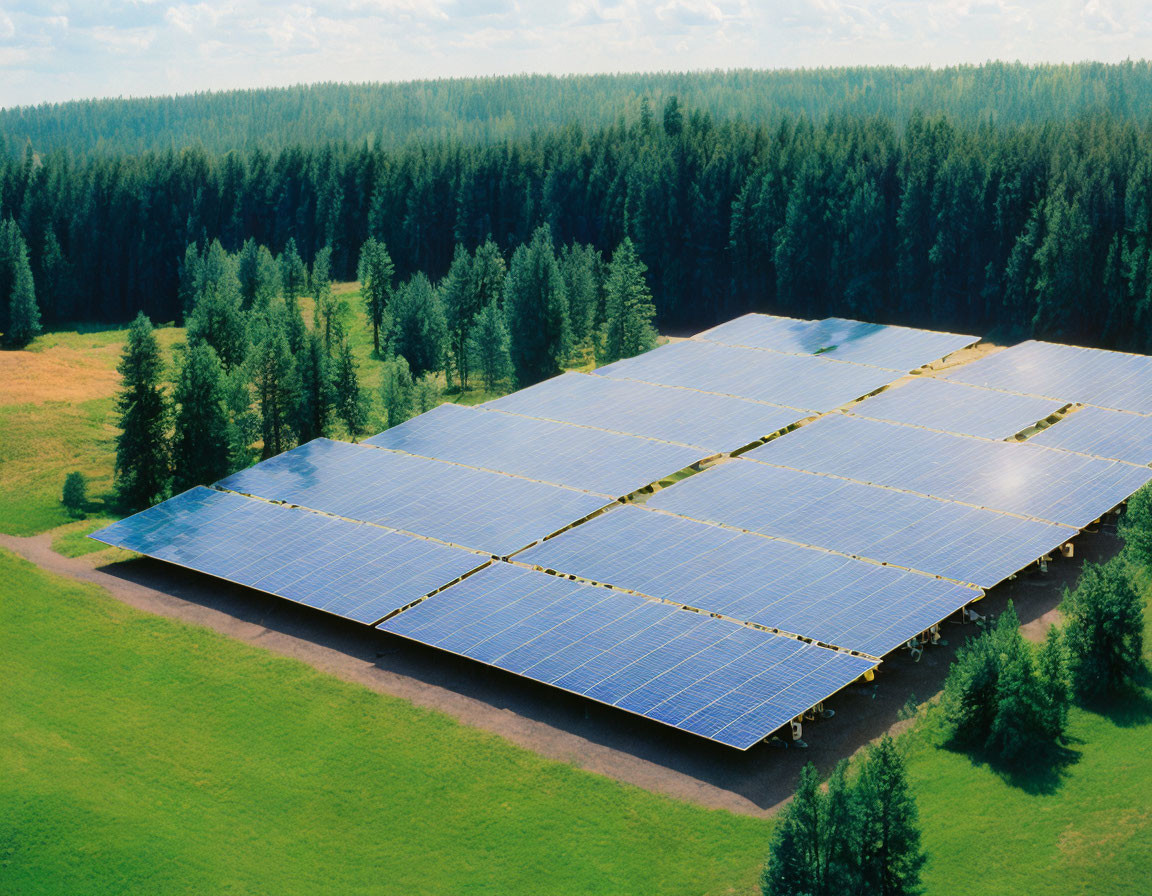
(140, 754)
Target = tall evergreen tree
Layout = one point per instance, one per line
(418, 327)
(1136, 527)
(580, 268)
(1104, 630)
(23, 311)
(200, 443)
(488, 273)
(536, 307)
(277, 386)
(891, 857)
(190, 278)
(396, 389)
(317, 393)
(376, 272)
(488, 347)
(350, 407)
(460, 303)
(293, 273)
(324, 317)
(628, 308)
(258, 275)
(142, 472)
(216, 317)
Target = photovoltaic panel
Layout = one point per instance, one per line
(958, 408)
(594, 460)
(835, 599)
(484, 511)
(353, 570)
(880, 345)
(1103, 433)
(968, 544)
(712, 423)
(809, 383)
(713, 678)
(1066, 373)
(1014, 477)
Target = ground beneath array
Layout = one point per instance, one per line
(549, 722)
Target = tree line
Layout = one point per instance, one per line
(1040, 229)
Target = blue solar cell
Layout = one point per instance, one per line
(1103, 433)
(808, 383)
(943, 538)
(484, 511)
(607, 463)
(1066, 373)
(707, 676)
(958, 408)
(895, 348)
(834, 599)
(1016, 477)
(712, 423)
(353, 570)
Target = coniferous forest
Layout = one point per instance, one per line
(882, 194)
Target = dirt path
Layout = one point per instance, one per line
(554, 724)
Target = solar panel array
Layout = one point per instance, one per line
(711, 423)
(353, 570)
(940, 537)
(895, 348)
(485, 511)
(805, 383)
(834, 599)
(958, 408)
(606, 463)
(1066, 373)
(1103, 433)
(707, 676)
(1019, 478)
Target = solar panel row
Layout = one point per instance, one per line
(1017, 478)
(353, 570)
(831, 598)
(713, 678)
(957, 408)
(895, 348)
(1066, 373)
(943, 538)
(1103, 433)
(607, 463)
(485, 511)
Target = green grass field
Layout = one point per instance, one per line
(138, 754)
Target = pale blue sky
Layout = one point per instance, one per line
(54, 50)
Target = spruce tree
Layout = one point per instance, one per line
(459, 300)
(488, 273)
(418, 327)
(293, 273)
(891, 857)
(350, 405)
(200, 444)
(23, 312)
(488, 347)
(325, 310)
(217, 317)
(277, 386)
(580, 267)
(188, 289)
(536, 308)
(793, 866)
(1055, 688)
(375, 272)
(1104, 630)
(258, 275)
(396, 388)
(1136, 527)
(628, 308)
(142, 472)
(317, 394)
(243, 422)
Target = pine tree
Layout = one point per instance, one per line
(23, 312)
(1104, 630)
(325, 318)
(375, 272)
(580, 267)
(891, 856)
(142, 475)
(793, 866)
(396, 388)
(673, 117)
(190, 278)
(258, 275)
(418, 327)
(488, 347)
(536, 308)
(243, 421)
(277, 387)
(488, 274)
(1055, 689)
(628, 308)
(460, 309)
(293, 273)
(1063, 273)
(217, 317)
(317, 393)
(200, 443)
(1136, 527)
(61, 290)
(350, 406)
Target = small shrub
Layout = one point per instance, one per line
(75, 498)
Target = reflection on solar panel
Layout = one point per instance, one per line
(963, 543)
(712, 423)
(1093, 430)
(1066, 373)
(485, 511)
(603, 462)
(798, 382)
(1019, 478)
(834, 599)
(955, 407)
(896, 348)
(353, 570)
(707, 676)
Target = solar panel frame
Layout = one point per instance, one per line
(957, 408)
(710, 423)
(353, 570)
(710, 677)
(1118, 435)
(594, 460)
(808, 592)
(967, 544)
(491, 512)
